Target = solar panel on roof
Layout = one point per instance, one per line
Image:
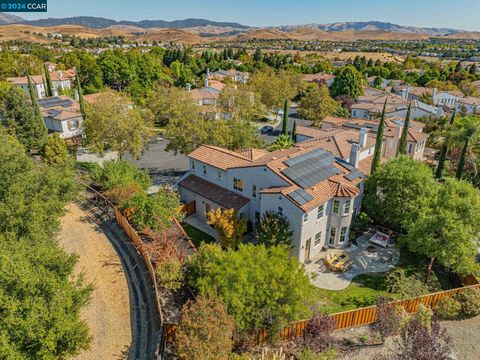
(300, 196)
(310, 168)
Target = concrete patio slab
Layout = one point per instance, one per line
(199, 222)
(364, 262)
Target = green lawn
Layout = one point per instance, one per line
(365, 289)
(197, 236)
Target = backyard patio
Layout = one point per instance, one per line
(364, 258)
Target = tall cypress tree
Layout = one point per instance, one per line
(36, 127)
(461, 162)
(285, 118)
(294, 131)
(80, 96)
(402, 145)
(49, 81)
(378, 143)
(443, 153)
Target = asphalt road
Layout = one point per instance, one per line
(277, 129)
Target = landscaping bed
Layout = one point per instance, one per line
(197, 236)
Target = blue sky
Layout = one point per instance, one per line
(462, 14)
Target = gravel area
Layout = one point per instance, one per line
(108, 314)
(465, 337)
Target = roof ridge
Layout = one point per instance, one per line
(228, 152)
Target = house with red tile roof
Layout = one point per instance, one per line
(315, 185)
(62, 115)
(320, 78)
(37, 83)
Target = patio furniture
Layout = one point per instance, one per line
(336, 262)
(371, 248)
(380, 238)
(345, 266)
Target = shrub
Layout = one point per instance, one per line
(154, 212)
(309, 354)
(205, 330)
(420, 343)
(424, 316)
(407, 286)
(170, 274)
(359, 226)
(273, 229)
(470, 301)
(448, 308)
(122, 193)
(116, 173)
(229, 226)
(388, 320)
(262, 288)
(318, 333)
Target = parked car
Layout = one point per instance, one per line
(266, 129)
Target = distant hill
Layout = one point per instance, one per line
(102, 23)
(9, 19)
(374, 26)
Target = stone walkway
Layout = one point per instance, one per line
(364, 262)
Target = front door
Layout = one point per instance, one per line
(207, 208)
(308, 244)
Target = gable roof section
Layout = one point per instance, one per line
(219, 195)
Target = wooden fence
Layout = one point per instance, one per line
(356, 317)
(368, 315)
(137, 241)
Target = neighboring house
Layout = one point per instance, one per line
(207, 96)
(62, 115)
(235, 75)
(339, 128)
(62, 79)
(439, 97)
(37, 83)
(384, 82)
(320, 78)
(371, 107)
(469, 105)
(318, 193)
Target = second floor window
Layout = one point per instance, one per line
(193, 165)
(346, 210)
(280, 210)
(237, 184)
(318, 238)
(254, 191)
(320, 211)
(204, 170)
(219, 174)
(305, 217)
(336, 206)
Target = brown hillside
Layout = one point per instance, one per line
(264, 34)
(467, 35)
(167, 35)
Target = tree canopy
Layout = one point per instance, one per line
(317, 104)
(114, 124)
(40, 297)
(262, 288)
(348, 81)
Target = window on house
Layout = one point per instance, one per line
(318, 238)
(73, 124)
(193, 164)
(204, 170)
(346, 210)
(280, 210)
(333, 233)
(305, 217)
(219, 174)
(336, 206)
(320, 211)
(410, 148)
(344, 234)
(254, 191)
(237, 184)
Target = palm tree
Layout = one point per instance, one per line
(282, 142)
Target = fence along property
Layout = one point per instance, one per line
(368, 315)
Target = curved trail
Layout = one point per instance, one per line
(144, 316)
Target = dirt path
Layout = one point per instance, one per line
(108, 314)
